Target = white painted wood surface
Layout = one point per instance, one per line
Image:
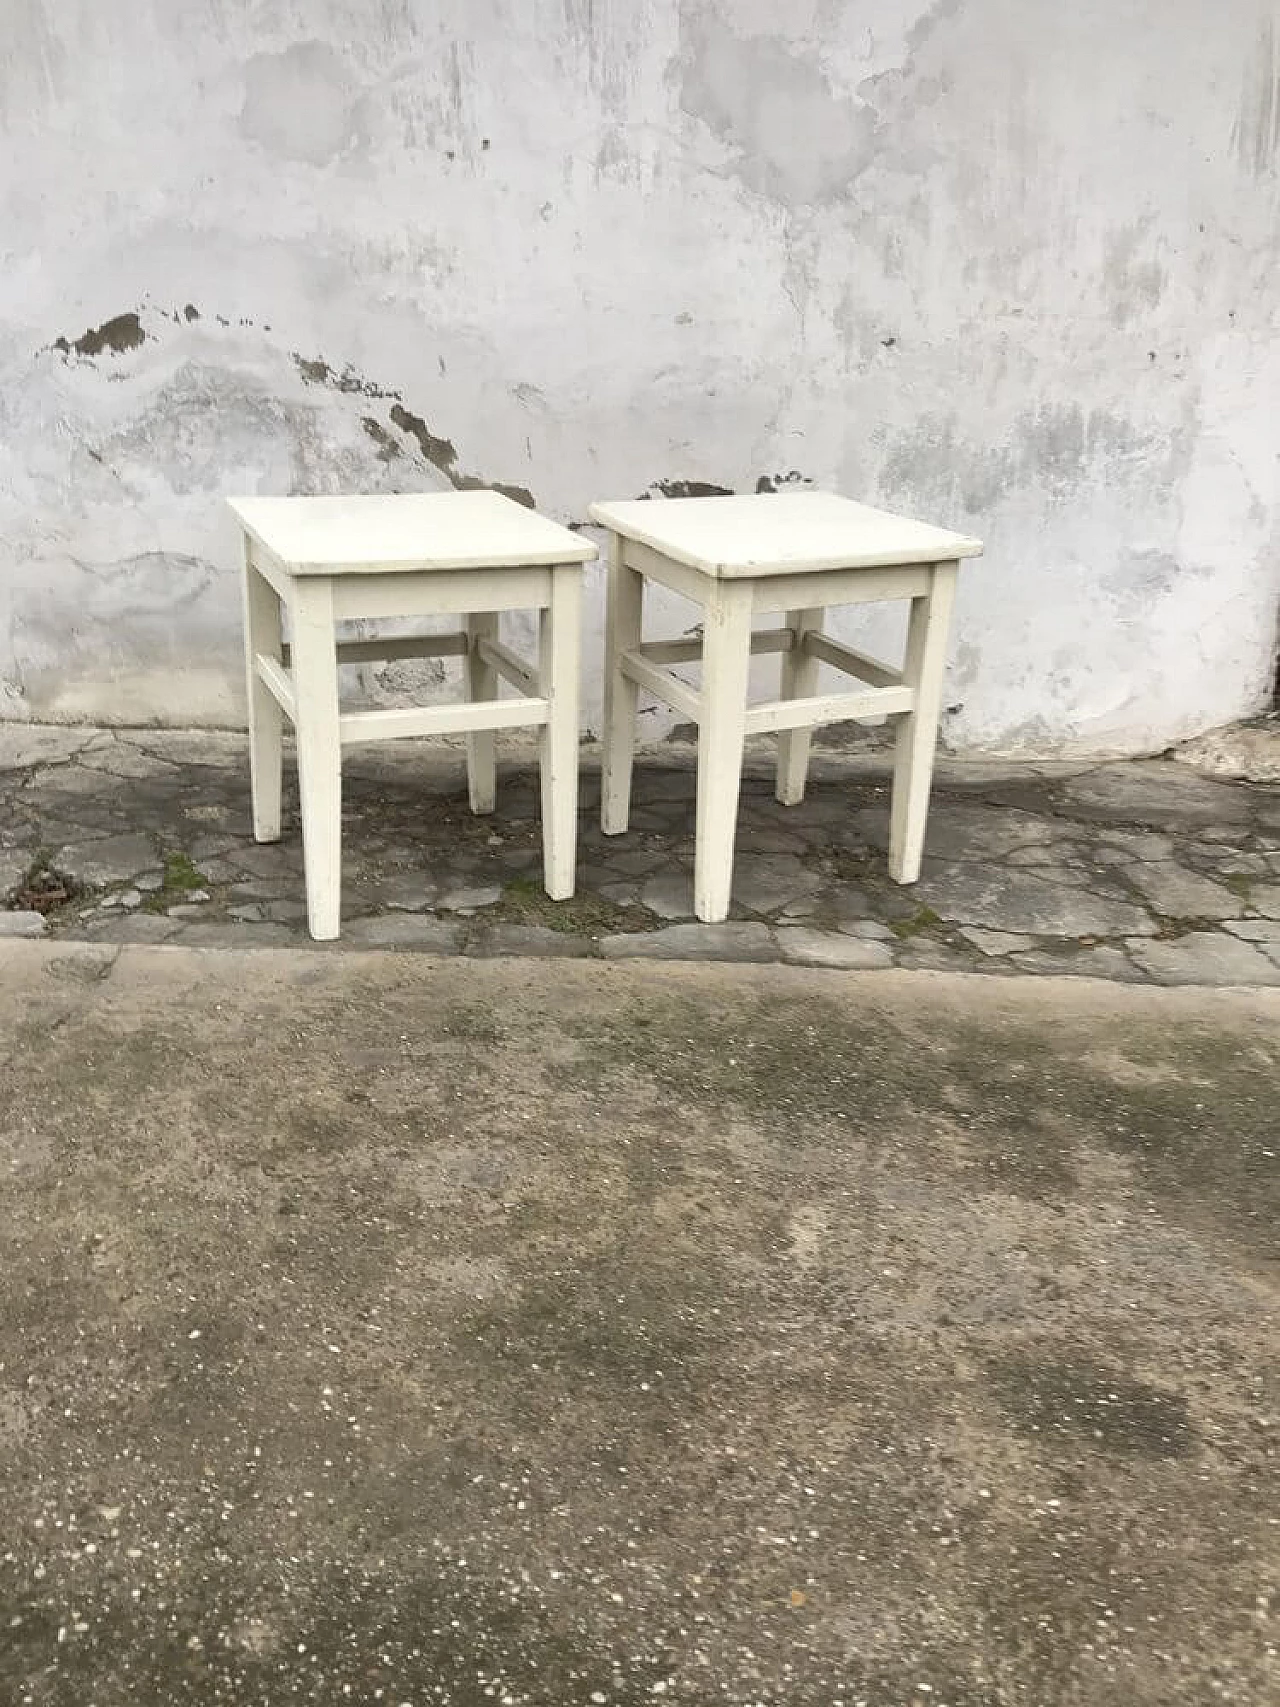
(826, 551)
(745, 537)
(917, 739)
(263, 639)
(797, 680)
(559, 644)
(471, 555)
(316, 728)
(623, 621)
(381, 532)
(480, 682)
(726, 661)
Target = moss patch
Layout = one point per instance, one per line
(525, 902)
(181, 879)
(922, 920)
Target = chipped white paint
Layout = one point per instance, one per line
(1009, 269)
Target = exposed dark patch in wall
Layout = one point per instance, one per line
(388, 448)
(122, 332)
(191, 312)
(318, 372)
(688, 489)
(440, 453)
(519, 494)
(791, 481)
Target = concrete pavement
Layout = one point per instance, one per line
(387, 1328)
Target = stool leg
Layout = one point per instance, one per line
(623, 628)
(481, 682)
(726, 663)
(799, 680)
(558, 668)
(918, 728)
(315, 682)
(263, 633)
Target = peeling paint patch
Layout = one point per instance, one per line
(440, 453)
(437, 452)
(122, 332)
(518, 494)
(318, 372)
(388, 448)
(687, 489)
(791, 481)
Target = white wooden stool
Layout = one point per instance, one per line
(794, 552)
(321, 561)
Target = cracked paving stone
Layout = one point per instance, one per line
(135, 927)
(1180, 894)
(1255, 930)
(411, 892)
(923, 954)
(1138, 844)
(959, 833)
(663, 785)
(764, 883)
(264, 859)
(216, 935)
(215, 748)
(1264, 898)
(468, 899)
(621, 894)
(994, 943)
(1204, 957)
(127, 762)
(1157, 791)
(633, 862)
(746, 941)
(23, 745)
(767, 839)
(406, 930)
(1019, 901)
(801, 947)
(1102, 961)
(872, 929)
(497, 940)
(107, 859)
(669, 895)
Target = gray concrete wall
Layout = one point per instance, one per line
(1007, 265)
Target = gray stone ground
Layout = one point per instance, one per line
(1142, 872)
(389, 1329)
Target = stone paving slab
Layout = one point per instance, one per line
(1139, 872)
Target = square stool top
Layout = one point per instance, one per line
(379, 533)
(780, 533)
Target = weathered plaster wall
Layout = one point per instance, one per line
(1008, 265)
